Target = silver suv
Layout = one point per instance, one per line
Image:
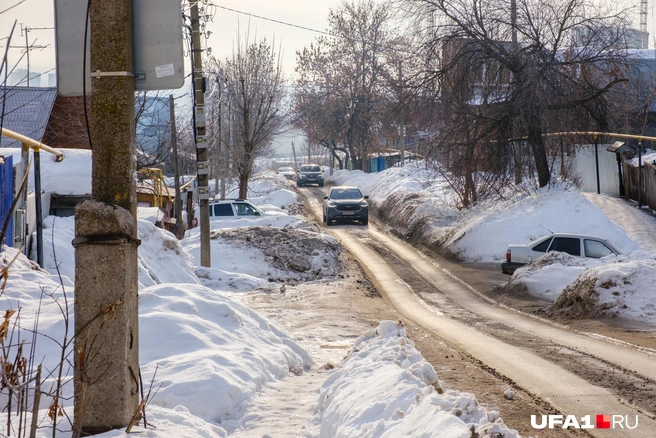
(228, 208)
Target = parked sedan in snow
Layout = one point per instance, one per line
(573, 244)
(287, 172)
(345, 203)
(228, 208)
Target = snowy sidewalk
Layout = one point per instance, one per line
(639, 224)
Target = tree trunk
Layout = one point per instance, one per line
(338, 158)
(518, 162)
(243, 184)
(539, 152)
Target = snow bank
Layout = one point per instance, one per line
(423, 202)
(161, 256)
(212, 353)
(623, 288)
(483, 233)
(385, 388)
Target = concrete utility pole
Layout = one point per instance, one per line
(106, 354)
(203, 168)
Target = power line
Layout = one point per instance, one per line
(13, 6)
(394, 46)
(273, 20)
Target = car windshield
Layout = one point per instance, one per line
(245, 209)
(285, 169)
(345, 194)
(310, 169)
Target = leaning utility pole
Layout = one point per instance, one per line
(295, 160)
(203, 168)
(106, 353)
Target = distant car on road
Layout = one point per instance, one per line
(345, 203)
(309, 174)
(287, 172)
(573, 244)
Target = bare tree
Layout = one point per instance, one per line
(255, 86)
(553, 62)
(153, 122)
(341, 90)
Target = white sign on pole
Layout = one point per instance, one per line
(158, 49)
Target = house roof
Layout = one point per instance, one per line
(25, 110)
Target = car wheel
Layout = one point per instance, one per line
(324, 218)
(365, 221)
(321, 185)
(298, 184)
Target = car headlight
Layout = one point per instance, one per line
(331, 204)
(363, 204)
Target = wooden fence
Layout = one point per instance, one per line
(630, 174)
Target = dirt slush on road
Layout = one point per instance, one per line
(351, 304)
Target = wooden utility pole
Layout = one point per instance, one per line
(177, 204)
(223, 148)
(106, 353)
(203, 168)
(402, 140)
(219, 144)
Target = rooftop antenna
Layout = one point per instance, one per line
(550, 232)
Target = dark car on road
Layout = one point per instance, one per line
(309, 174)
(345, 203)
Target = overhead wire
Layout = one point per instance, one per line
(390, 45)
(13, 6)
(273, 20)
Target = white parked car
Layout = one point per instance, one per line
(574, 244)
(229, 208)
(287, 172)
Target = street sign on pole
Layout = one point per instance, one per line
(158, 46)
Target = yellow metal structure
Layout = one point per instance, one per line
(159, 186)
(36, 145)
